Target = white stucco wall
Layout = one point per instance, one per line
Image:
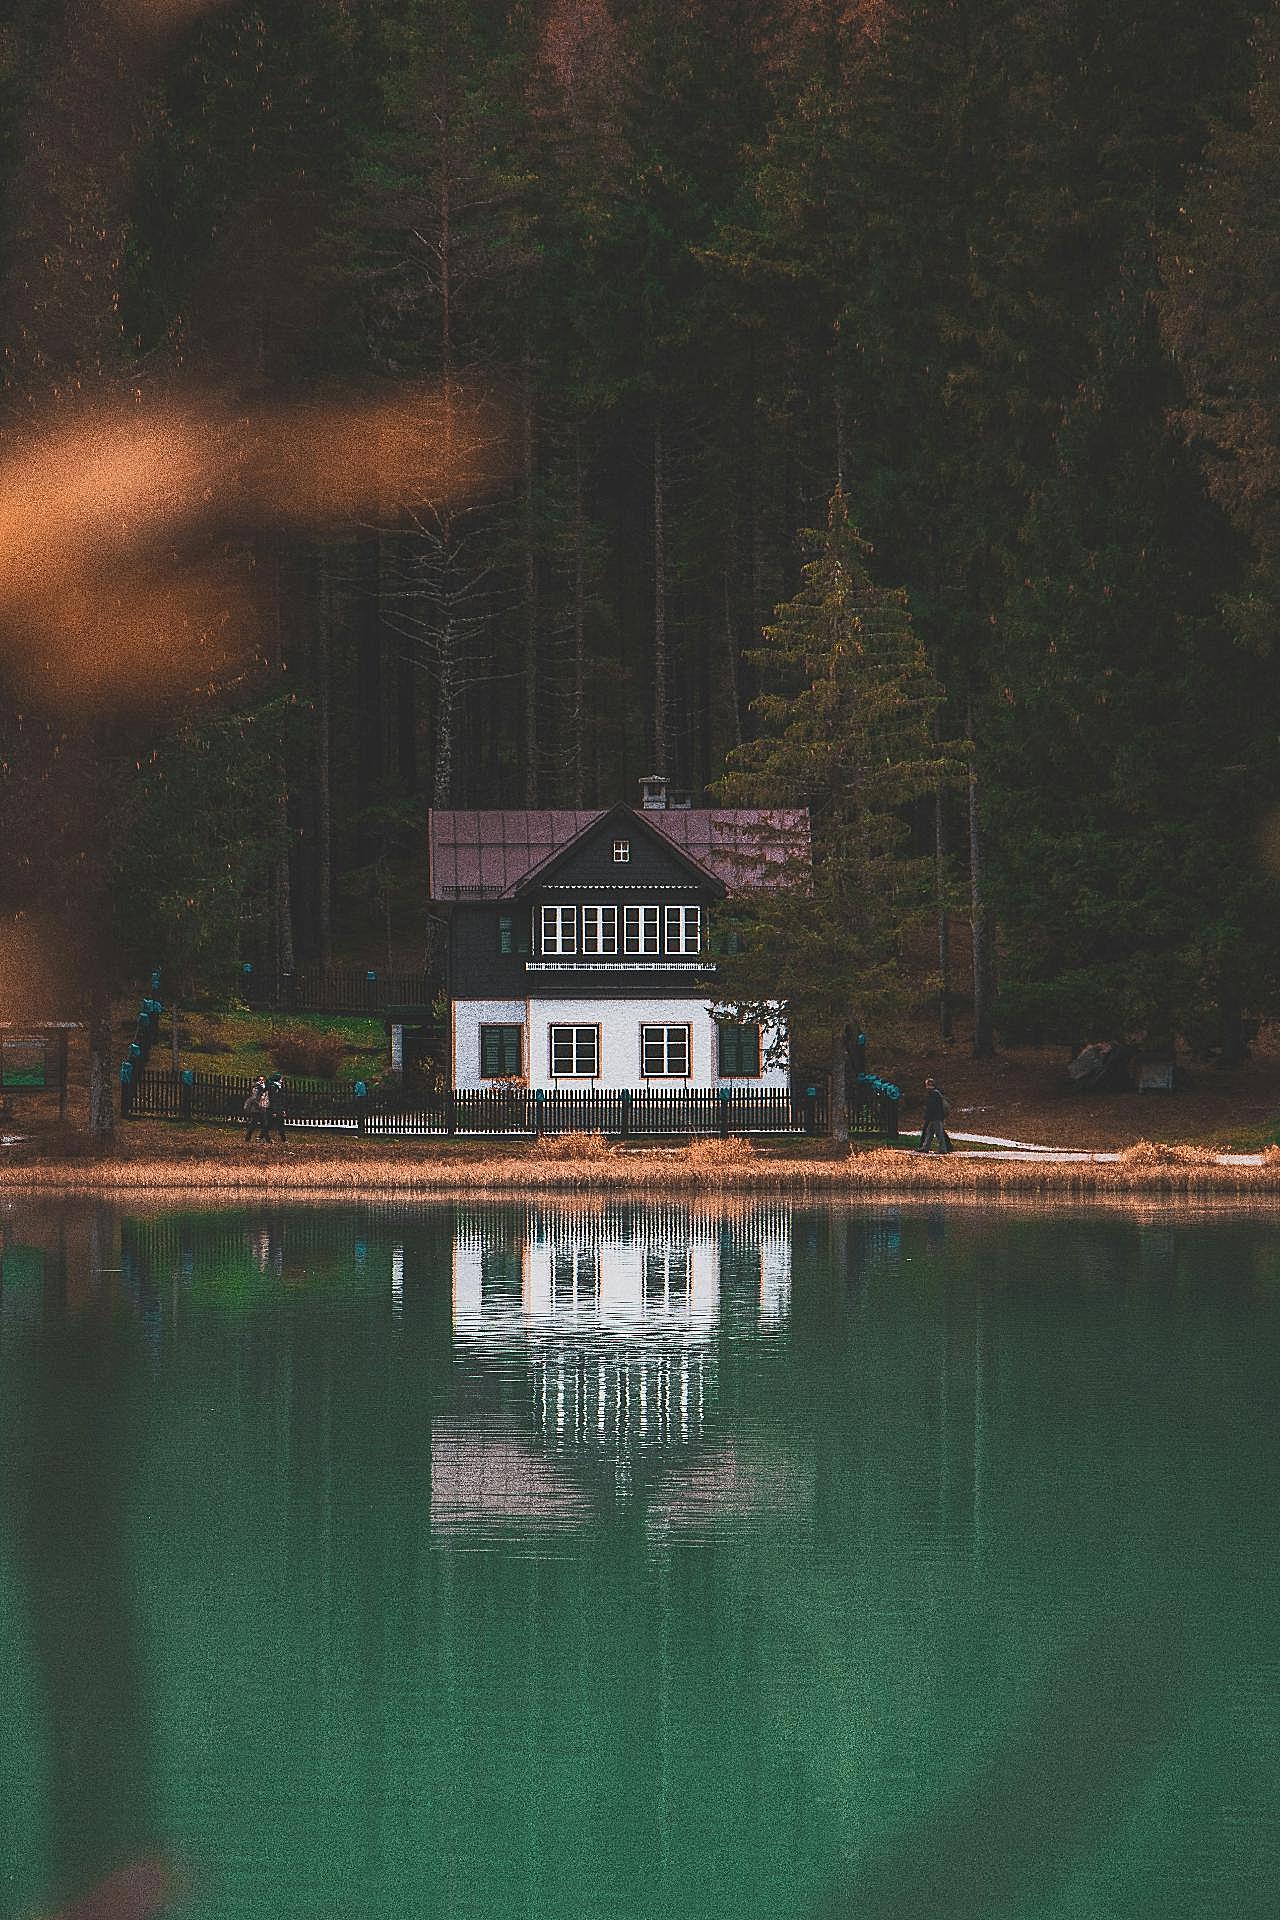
(619, 1022)
(468, 1018)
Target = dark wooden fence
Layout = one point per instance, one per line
(333, 990)
(221, 1096)
(634, 1112)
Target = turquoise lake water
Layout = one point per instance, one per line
(563, 1563)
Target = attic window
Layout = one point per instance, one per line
(621, 852)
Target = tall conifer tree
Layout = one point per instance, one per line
(847, 730)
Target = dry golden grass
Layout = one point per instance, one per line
(589, 1163)
(720, 1156)
(1151, 1155)
(562, 1149)
(1146, 1168)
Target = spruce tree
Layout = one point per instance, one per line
(846, 730)
(1218, 311)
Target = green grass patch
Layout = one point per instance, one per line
(238, 1043)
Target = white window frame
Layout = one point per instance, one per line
(578, 1052)
(683, 929)
(666, 1071)
(642, 930)
(559, 930)
(621, 852)
(599, 930)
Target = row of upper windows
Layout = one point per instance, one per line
(601, 931)
(666, 1052)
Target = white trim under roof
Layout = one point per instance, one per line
(619, 966)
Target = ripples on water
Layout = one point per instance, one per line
(639, 1562)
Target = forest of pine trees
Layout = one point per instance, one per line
(997, 278)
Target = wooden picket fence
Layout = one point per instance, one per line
(642, 1112)
(336, 989)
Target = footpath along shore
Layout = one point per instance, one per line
(993, 1144)
(981, 1165)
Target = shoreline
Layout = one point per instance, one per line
(1148, 1171)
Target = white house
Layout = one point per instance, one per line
(581, 943)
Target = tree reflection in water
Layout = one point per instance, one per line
(1063, 1779)
(70, 1450)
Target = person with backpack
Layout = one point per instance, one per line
(256, 1111)
(933, 1136)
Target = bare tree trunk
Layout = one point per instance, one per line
(446, 715)
(102, 1112)
(839, 1088)
(404, 742)
(324, 783)
(406, 724)
(731, 661)
(370, 764)
(755, 503)
(283, 892)
(1231, 1016)
(661, 692)
(531, 743)
(267, 561)
(944, 916)
(983, 971)
(446, 241)
(579, 624)
(699, 719)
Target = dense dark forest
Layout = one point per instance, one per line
(1004, 274)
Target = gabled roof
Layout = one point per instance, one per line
(488, 854)
(625, 820)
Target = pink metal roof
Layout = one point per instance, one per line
(484, 855)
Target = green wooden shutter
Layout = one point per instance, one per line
(740, 1050)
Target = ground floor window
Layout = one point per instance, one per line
(500, 1049)
(664, 1052)
(739, 1047)
(575, 1052)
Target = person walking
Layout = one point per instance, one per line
(933, 1136)
(256, 1111)
(276, 1107)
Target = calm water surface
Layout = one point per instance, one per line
(559, 1563)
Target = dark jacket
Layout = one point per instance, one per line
(275, 1096)
(934, 1106)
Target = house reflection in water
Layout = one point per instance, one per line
(604, 1331)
